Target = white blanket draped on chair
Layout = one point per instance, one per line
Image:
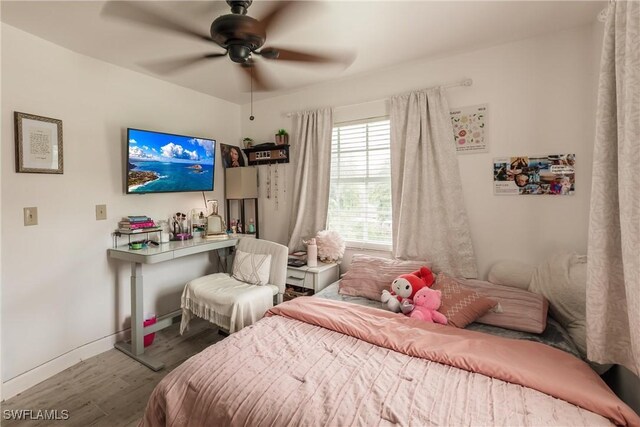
(231, 303)
(225, 301)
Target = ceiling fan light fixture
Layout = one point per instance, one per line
(239, 53)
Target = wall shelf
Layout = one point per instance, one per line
(267, 155)
(242, 216)
(146, 231)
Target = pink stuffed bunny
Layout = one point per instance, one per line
(426, 302)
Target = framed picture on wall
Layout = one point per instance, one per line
(38, 144)
(232, 156)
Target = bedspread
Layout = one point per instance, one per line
(326, 363)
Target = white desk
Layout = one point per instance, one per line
(154, 255)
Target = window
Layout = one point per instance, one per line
(360, 192)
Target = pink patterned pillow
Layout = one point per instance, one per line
(368, 276)
(520, 310)
(461, 305)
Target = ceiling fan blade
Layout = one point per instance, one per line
(208, 8)
(172, 65)
(294, 55)
(136, 12)
(260, 84)
(275, 13)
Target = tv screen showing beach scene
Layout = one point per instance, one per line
(165, 163)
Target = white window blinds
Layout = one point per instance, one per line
(360, 193)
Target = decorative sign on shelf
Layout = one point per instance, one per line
(553, 174)
(470, 128)
(269, 155)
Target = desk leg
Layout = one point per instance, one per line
(135, 349)
(137, 316)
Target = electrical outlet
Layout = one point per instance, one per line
(31, 216)
(101, 212)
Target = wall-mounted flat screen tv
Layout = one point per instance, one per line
(166, 163)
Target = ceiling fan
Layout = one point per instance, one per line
(241, 36)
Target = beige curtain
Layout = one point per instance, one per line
(312, 146)
(429, 218)
(613, 265)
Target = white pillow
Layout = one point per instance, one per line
(562, 279)
(252, 268)
(514, 274)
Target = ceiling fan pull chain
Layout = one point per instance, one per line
(251, 117)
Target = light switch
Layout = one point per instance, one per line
(101, 212)
(31, 216)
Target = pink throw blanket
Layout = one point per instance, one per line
(321, 362)
(529, 364)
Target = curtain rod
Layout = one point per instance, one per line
(465, 82)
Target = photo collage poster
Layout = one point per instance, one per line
(470, 128)
(537, 175)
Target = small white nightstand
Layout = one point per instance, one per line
(315, 278)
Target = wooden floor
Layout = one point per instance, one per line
(111, 389)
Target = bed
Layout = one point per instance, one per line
(318, 361)
(335, 360)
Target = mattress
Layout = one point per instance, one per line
(554, 335)
(318, 362)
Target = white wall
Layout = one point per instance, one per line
(1, 140)
(541, 97)
(59, 290)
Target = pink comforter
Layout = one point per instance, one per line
(321, 362)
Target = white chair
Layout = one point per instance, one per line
(230, 303)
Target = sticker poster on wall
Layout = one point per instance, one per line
(470, 128)
(553, 174)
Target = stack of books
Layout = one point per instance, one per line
(136, 224)
(297, 259)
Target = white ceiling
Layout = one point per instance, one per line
(379, 33)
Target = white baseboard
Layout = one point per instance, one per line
(45, 371)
